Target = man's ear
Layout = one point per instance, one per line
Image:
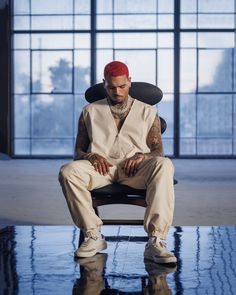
(103, 81)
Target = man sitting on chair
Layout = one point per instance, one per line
(119, 140)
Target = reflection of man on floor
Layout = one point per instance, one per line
(157, 280)
(119, 140)
(92, 281)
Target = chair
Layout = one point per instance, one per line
(118, 193)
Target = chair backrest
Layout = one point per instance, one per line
(145, 92)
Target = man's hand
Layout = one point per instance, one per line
(131, 165)
(100, 164)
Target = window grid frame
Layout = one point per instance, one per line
(177, 30)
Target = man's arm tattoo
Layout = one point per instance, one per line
(154, 140)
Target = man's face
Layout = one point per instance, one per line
(117, 88)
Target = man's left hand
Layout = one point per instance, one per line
(131, 165)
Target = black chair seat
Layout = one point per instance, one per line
(117, 193)
(117, 189)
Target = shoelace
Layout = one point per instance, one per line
(161, 243)
(90, 235)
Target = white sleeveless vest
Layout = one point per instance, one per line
(114, 145)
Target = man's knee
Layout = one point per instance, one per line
(65, 171)
(164, 163)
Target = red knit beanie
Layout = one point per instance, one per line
(116, 68)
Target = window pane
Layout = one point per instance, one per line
(52, 7)
(103, 57)
(215, 70)
(165, 62)
(52, 147)
(52, 116)
(135, 21)
(22, 115)
(21, 7)
(21, 41)
(52, 41)
(105, 22)
(187, 124)
(187, 115)
(141, 64)
(165, 6)
(168, 144)
(135, 6)
(81, 70)
(188, 40)
(216, 6)
(104, 6)
(214, 146)
(188, 70)
(82, 41)
(165, 21)
(216, 40)
(188, 21)
(104, 41)
(166, 111)
(82, 6)
(52, 71)
(234, 69)
(165, 40)
(21, 23)
(216, 21)
(188, 5)
(82, 22)
(22, 147)
(188, 146)
(234, 125)
(135, 40)
(80, 102)
(52, 22)
(21, 71)
(214, 115)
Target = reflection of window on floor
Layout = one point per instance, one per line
(60, 50)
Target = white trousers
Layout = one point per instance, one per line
(78, 178)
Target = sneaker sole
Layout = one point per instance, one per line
(91, 253)
(161, 259)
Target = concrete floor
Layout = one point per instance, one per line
(30, 193)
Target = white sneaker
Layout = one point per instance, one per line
(91, 246)
(157, 252)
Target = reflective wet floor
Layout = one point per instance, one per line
(39, 260)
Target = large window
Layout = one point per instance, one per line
(207, 78)
(51, 72)
(187, 48)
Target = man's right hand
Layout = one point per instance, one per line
(100, 164)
